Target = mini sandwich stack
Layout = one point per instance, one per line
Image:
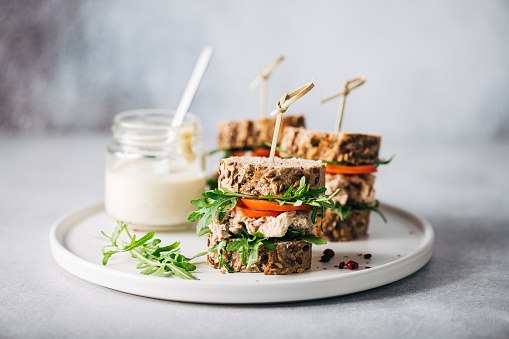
(249, 137)
(262, 218)
(350, 158)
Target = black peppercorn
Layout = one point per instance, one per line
(325, 258)
(328, 252)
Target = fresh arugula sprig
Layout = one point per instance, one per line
(156, 260)
(343, 211)
(343, 163)
(247, 245)
(217, 202)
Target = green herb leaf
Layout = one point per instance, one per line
(107, 256)
(180, 272)
(343, 211)
(150, 254)
(234, 245)
(214, 204)
(313, 239)
(269, 243)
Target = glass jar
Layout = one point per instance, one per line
(153, 169)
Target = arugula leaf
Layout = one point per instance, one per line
(211, 206)
(345, 210)
(245, 244)
(219, 249)
(376, 210)
(234, 245)
(156, 260)
(269, 243)
(383, 161)
(313, 239)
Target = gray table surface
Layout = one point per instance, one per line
(463, 292)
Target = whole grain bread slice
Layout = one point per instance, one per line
(248, 133)
(352, 148)
(354, 226)
(259, 176)
(288, 257)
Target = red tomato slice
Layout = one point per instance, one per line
(249, 213)
(257, 152)
(265, 205)
(340, 169)
(237, 154)
(263, 152)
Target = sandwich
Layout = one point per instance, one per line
(250, 137)
(351, 160)
(262, 217)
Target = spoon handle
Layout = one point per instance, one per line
(192, 86)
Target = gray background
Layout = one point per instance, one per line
(437, 90)
(435, 70)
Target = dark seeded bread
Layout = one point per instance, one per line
(288, 257)
(353, 227)
(258, 176)
(353, 148)
(248, 133)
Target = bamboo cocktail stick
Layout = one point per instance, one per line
(347, 87)
(282, 105)
(262, 77)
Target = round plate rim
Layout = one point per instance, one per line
(161, 288)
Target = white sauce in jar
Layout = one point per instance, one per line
(148, 194)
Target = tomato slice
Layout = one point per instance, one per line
(257, 152)
(265, 205)
(250, 213)
(263, 152)
(237, 154)
(340, 169)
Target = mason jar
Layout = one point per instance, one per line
(153, 169)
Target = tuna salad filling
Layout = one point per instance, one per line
(353, 188)
(269, 227)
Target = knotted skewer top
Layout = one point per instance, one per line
(262, 77)
(347, 87)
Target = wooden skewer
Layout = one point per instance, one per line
(347, 87)
(262, 77)
(282, 105)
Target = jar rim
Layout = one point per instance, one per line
(164, 113)
(149, 131)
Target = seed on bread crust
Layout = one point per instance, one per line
(335, 229)
(288, 257)
(248, 133)
(353, 148)
(258, 176)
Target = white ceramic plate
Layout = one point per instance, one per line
(398, 249)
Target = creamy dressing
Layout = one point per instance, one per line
(149, 193)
